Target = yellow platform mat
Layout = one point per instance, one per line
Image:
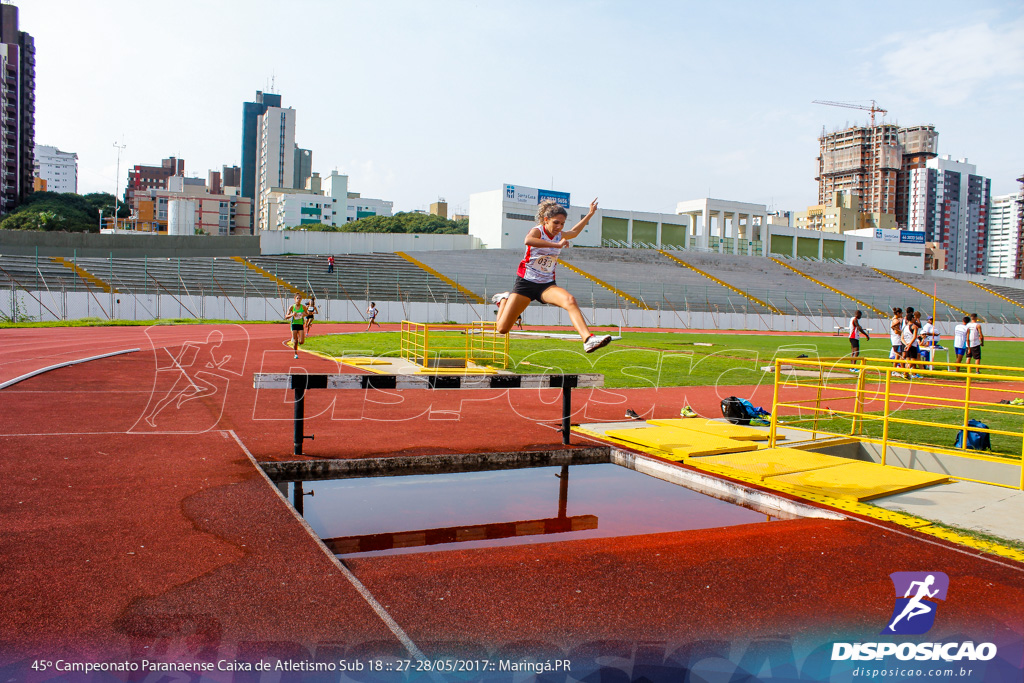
(859, 480)
(716, 428)
(769, 462)
(681, 443)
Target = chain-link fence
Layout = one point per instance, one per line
(258, 289)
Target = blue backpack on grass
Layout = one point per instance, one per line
(976, 441)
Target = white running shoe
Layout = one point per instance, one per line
(595, 342)
(498, 297)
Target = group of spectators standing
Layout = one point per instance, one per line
(914, 340)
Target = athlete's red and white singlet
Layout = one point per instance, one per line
(538, 265)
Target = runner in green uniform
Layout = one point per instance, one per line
(296, 313)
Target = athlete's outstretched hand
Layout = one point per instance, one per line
(593, 206)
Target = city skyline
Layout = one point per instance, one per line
(643, 106)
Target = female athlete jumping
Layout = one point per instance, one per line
(535, 279)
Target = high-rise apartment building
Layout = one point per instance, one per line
(950, 202)
(59, 169)
(1019, 272)
(1003, 235)
(251, 112)
(276, 167)
(874, 164)
(142, 178)
(17, 125)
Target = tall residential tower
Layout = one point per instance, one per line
(251, 112)
(17, 125)
(950, 202)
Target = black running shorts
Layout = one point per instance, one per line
(531, 290)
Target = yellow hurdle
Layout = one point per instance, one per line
(438, 345)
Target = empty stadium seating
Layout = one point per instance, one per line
(643, 274)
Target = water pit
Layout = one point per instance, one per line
(450, 504)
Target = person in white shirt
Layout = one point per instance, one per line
(371, 315)
(895, 327)
(910, 336)
(975, 340)
(928, 336)
(535, 278)
(960, 341)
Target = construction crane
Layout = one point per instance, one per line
(849, 105)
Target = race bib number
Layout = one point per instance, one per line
(545, 264)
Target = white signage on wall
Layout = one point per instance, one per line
(887, 235)
(531, 195)
(521, 193)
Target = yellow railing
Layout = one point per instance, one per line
(83, 273)
(996, 294)
(469, 294)
(897, 392)
(284, 284)
(438, 345)
(816, 281)
(610, 287)
(721, 282)
(920, 291)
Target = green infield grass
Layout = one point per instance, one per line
(655, 359)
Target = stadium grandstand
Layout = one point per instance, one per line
(615, 279)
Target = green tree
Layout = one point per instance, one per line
(407, 222)
(56, 211)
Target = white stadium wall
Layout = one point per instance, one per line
(274, 242)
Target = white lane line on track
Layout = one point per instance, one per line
(356, 583)
(40, 371)
(976, 554)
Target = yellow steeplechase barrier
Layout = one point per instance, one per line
(611, 288)
(830, 288)
(721, 282)
(437, 346)
(84, 274)
(920, 291)
(270, 276)
(911, 413)
(996, 294)
(472, 296)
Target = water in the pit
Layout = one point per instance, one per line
(448, 511)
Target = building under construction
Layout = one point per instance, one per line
(874, 163)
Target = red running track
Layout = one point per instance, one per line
(137, 525)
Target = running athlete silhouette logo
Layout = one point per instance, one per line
(915, 614)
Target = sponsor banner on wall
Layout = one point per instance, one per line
(561, 197)
(531, 195)
(887, 235)
(911, 237)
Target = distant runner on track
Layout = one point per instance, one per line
(296, 313)
(311, 310)
(535, 279)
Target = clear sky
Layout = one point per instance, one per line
(642, 103)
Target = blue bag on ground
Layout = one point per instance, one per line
(976, 441)
(741, 411)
